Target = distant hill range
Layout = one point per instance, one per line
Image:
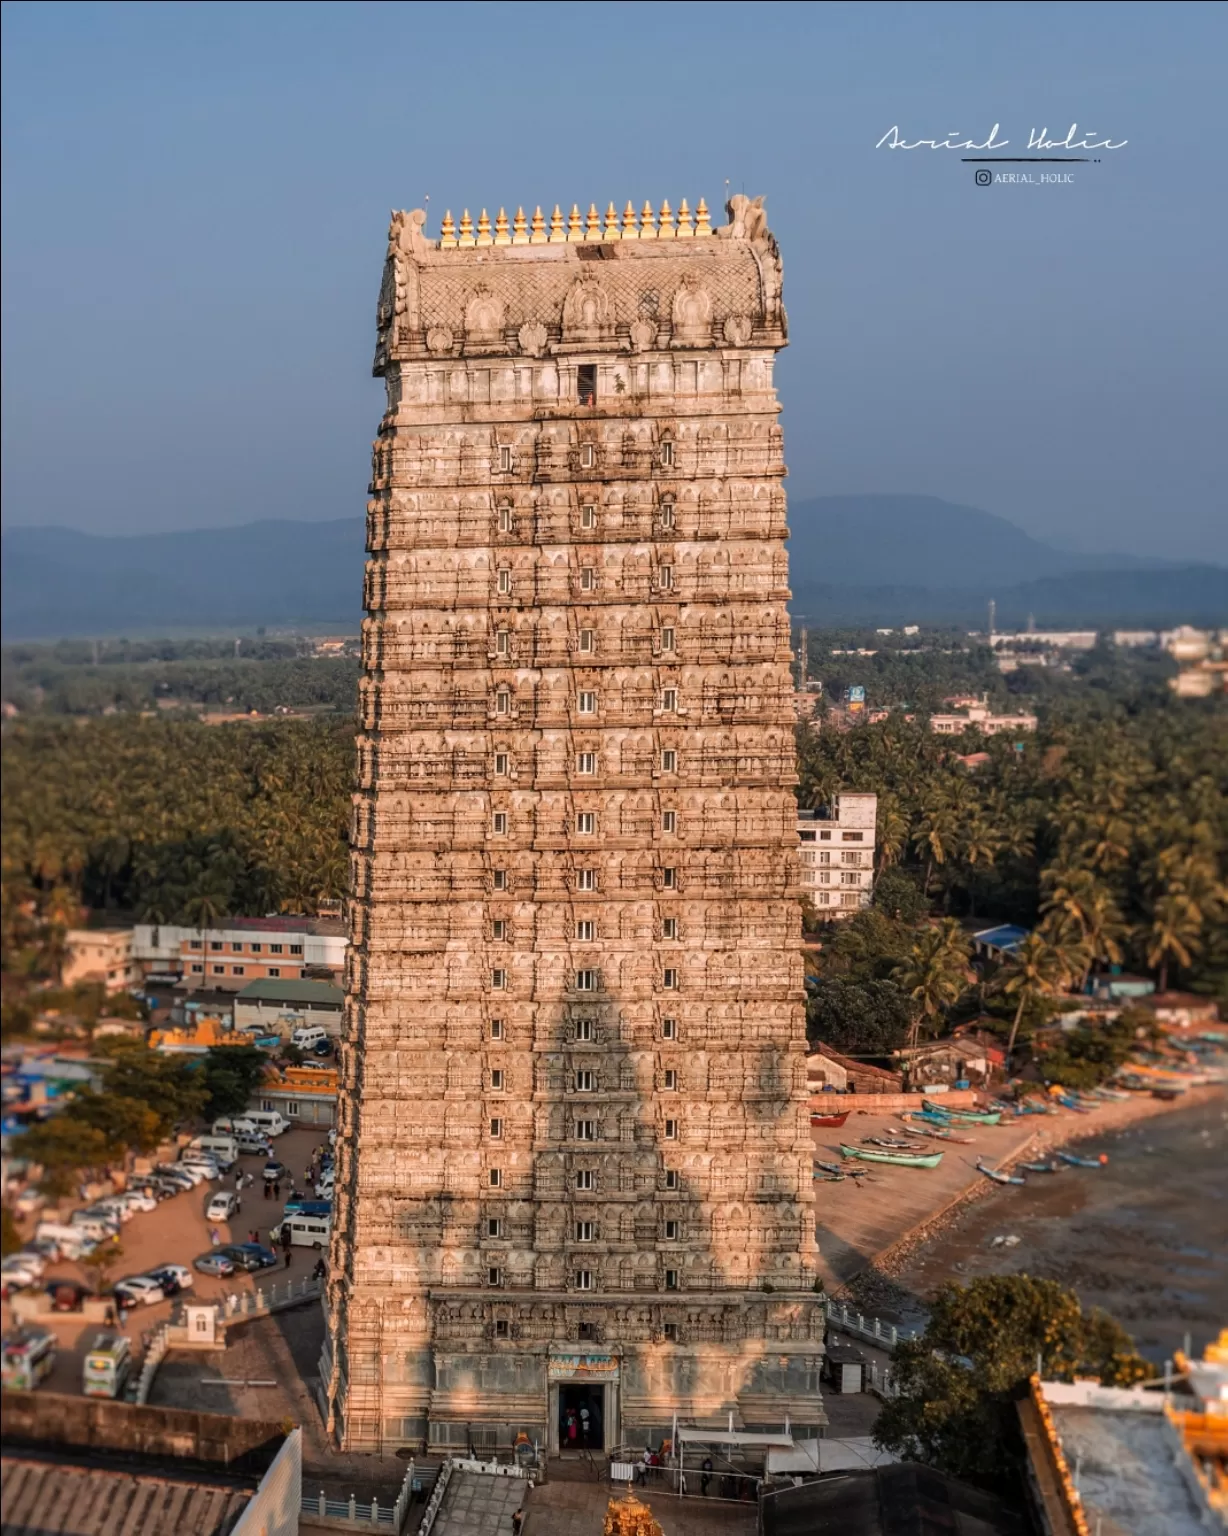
(854, 560)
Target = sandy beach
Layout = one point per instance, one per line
(1145, 1237)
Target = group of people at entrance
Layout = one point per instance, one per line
(578, 1429)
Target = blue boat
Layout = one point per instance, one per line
(1076, 1161)
(999, 1178)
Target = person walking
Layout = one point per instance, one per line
(121, 1317)
(706, 1469)
(584, 1426)
(289, 1255)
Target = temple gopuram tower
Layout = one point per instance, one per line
(574, 1156)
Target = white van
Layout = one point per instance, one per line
(243, 1126)
(307, 1035)
(269, 1121)
(224, 1150)
(97, 1228)
(307, 1231)
(71, 1241)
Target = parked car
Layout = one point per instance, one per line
(305, 1206)
(265, 1257)
(324, 1189)
(19, 1272)
(45, 1247)
(223, 1206)
(194, 1172)
(29, 1202)
(140, 1200)
(175, 1174)
(322, 1048)
(180, 1174)
(140, 1288)
(203, 1162)
(67, 1294)
(167, 1189)
(240, 1126)
(241, 1256)
(179, 1273)
(214, 1263)
(253, 1144)
(273, 1171)
(117, 1206)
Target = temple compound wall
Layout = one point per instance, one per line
(574, 1158)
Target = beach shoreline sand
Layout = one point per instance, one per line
(1112, 1233)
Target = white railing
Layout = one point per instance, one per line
(369, 1516)
(262, 1300)
(885, 1335)
(155, 1353)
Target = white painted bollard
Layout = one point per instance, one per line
(352, 1506)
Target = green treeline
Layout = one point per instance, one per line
(172, 820)
(47, 686)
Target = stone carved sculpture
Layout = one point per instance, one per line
(643, 334)
(439, 339)
(484, 318)
(586, 313)
(747, 219)
(738, 330)
(533, 337)
(691, 311)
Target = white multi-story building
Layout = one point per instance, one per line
(837, 854)
(980, 718)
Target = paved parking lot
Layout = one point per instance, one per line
(176, 1233)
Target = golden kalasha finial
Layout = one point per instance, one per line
(630, 232)
(610, 232)
(502, 236)
(484, 229)
(666, 232)
(702, 226)
(684, 221)
(520, 230)
(466, 230)
(447, 233)
(575, 224)
(537, 234)
(648, 230)
(557, 233)
(593, 232)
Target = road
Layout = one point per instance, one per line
(176, 1233)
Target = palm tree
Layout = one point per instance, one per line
(1035, 970)
(1079, 904)
(934, 974)
(892, 831)
(1173, 935)
(935, 836)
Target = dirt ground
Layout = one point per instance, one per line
(175, 1234)
(1145, 1237)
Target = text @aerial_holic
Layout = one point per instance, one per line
(987, 178)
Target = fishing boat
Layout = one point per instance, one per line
(901, 1159)
(1111, 1093)
(1042, 1167)
(829, 1167)
(972, 1116)
(999, 1178)
(892, 1143)
(940, 1129)
(1067, 1102)
(828, 1120)
(1076, 1161)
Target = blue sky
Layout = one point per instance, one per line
(196, 197)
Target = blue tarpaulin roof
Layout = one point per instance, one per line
(1006, 937)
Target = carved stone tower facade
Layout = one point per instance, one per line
(574, 1159)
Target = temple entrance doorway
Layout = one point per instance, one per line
(581, 1423)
